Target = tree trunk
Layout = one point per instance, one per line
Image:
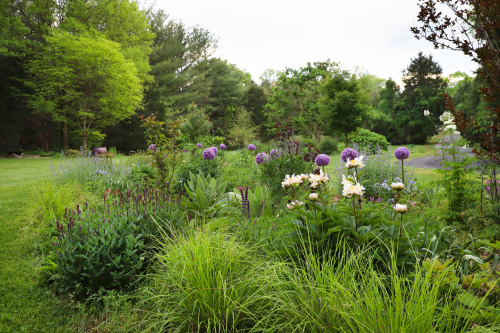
(347, 140)
(64, 135)
(84, 137)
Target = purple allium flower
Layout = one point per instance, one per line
(322, 160)
(199, 145)
(251, 147)
(402, 153)
(214, 149)
(222, 146)
(348, 154)
(275, 153)
(208, 154)
(152, 146)
(261, 158)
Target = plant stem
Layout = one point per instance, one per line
(354, 208)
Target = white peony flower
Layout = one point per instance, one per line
(351, 189)
(319, 179)
(355, 163)
(294, 204)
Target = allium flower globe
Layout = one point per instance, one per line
(208, 154)
(275, 153)
(348, 154)
(251, 146)
(199, 145)
(402, 153)
(322, 160)
(222, 146)
(261, 158)
(214, 149)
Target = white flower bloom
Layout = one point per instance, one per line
(320, 179)
(397, 186)
(346, 181)
(351, 189)
(313, 196)
(401, 208)
(446, 117)
(357, 162)
(427, 113)
(291, 181)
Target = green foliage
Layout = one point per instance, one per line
(328, 146)
(210, 282)
(370, 141)
(97, 258)
(206, 195)
(196, 124)
(85, 81)
(195, 165)
(242, 130)
(341, 105)
(54, 199)
(259, 201)
(163, 146)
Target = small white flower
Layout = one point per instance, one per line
(313, 196)
(397, 186)
(400, 208)
(427, 113)
(294, 204)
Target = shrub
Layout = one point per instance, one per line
(104, 247)
(328, 146)
(195, 165)
(369, 140)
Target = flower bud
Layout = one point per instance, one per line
(398, 186)
(401, 208)
(313, 196)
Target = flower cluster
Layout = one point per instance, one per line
(275, 153)
(222, 146)
(251, 147)
(215, 150)
(348, 154)
(402, 153)
(152, 147)
(261, 158)
(448, 120)
(322, 160)
(351, 187)
(314, 179)
(199, 145)
(208, 154)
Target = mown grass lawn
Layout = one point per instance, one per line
(26, 306)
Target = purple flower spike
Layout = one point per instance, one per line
(348, 154)
(222, 146)
(251, 147)
(214, 149)
(199, 145)
(402, 153)
(322, 160)
(275, 153)
(261, 158)
(208, 154)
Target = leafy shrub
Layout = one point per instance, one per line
(105, 247)
(206, 195)
(328, 146)
(369, 140)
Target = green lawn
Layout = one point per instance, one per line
(26, 306)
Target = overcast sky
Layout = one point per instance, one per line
(260, 34)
